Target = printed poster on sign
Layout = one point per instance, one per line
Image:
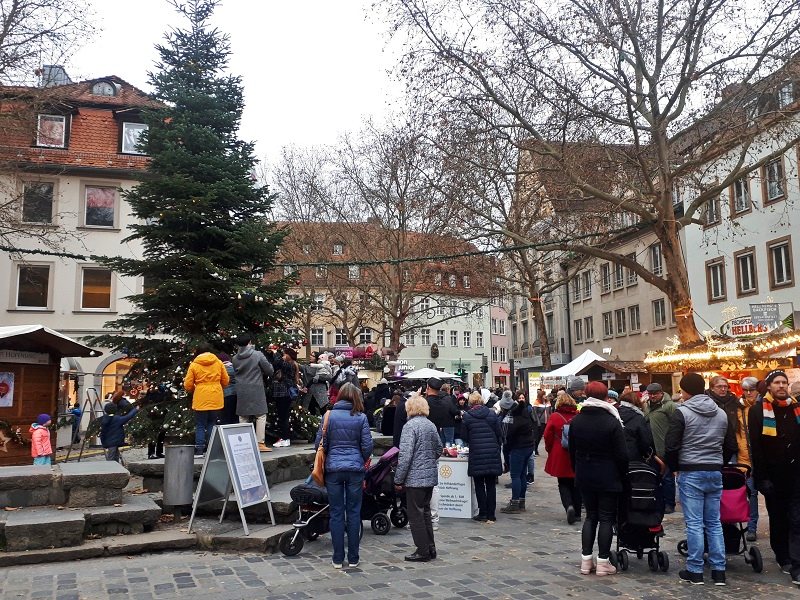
(6, 389)
(456, 494)
(246, 467)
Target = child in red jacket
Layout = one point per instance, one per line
(41, 449)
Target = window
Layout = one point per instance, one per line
(715, 280)
(502, 354)
(51, 131)
(772, 181)
(293, 332)
(425, 305)
(711, 212)
(425, 335)
(619, 318)
(440, 337)
(437, 279)
(576, 290)
(656, 259)
(494, 353)
(306, 248)
(287, 270)
(37, 202)
(659, 313)
(746, 280)
(633, 318)
(411, 338)
(514, 337)
(479, 339)
(454, 308)
(779, 254)
(586, 284)
(338, 249)
(451, 281)
(353, 272)
(341, 337)
(502, 324)
(104, 88)
(619, 276)
(608, 325)
(406, 275)
(578, 326)
(321, 272)
(131, 135)
(317, 336)
(467, 339)
(478, 311)
(740, 196)
(785, 94)
(365, 336)
(441, 309)
(33, 286)
(454, 339)
(605, 278)
(100, 206)
(319, 302)
(494, 325)
(632, 276)
(588, 328)
(95, 288)
(465, 281)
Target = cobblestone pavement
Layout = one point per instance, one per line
(531, 555)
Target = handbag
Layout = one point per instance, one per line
(318, 472)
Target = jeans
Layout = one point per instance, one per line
(261, 425)
(570, 495)
(344, 496)
(43, 460)
(752, 525)
(668, 488)
(418, 504)
(447, 435)
(204, 421)
(486, 495)
(700, 494)
(518, 468)
(531, 464)
(601, 515)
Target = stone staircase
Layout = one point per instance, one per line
(66, 504)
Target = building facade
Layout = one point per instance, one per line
(501, 348)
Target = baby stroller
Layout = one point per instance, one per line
(380, 496)
(639, 520)
(734, 513)
(313, 518)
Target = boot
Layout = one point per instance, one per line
(522, 505)
(604, 567)
(587, 564)
(512, 508)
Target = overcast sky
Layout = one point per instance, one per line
(311, 68)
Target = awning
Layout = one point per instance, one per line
(574, 367)
(427, 373)
(38, 338)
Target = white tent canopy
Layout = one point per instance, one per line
(573, 367)
(428, 373)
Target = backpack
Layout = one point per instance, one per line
(565, 433)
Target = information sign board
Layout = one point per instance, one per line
(456, 492)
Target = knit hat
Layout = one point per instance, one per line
(613, 394)
(43, 418)
(576, 384)
(435, 383)
(507, 401)
(773, 374)
(693, 384)
(597, 389)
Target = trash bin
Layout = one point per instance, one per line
(178, 475)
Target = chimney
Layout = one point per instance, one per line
(52, 75)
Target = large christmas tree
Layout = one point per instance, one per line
(202, 220)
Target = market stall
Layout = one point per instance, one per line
(560, 376)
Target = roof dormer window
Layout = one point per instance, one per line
(104, 88)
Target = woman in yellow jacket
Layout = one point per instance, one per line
(204, 380)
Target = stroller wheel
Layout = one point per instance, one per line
(663, 561)
(399, 517)
(381, 524)
(755, 559)
(683, 548)
(291, 542)
(624, 563)
(652, 560)
(613, 558)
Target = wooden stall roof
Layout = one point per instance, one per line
(38, 338)
(617, 366)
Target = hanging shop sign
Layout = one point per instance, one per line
(767, 315)
(744, 328)
(21, 356)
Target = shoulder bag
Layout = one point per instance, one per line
(318, 472)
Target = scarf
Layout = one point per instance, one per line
(594, 402)
(770, 427)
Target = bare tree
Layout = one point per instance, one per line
(634, 86)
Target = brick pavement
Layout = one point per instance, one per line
(532, 555)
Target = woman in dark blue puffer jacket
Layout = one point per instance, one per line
(348, 444)
(480, 429)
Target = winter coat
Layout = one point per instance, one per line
(443, 410)
(730, 404)
(315, 378)
(382, 393)
(251, 369)
(638, 437)
(348, 441)
(229, 391)
(699, 438)
(744, 454)
(774, 456)
(112, 429)
(480, 430)
(289, 376)
(598, 451)
(205, 379)
(400, 418)
(420, 449)
(40, 440)
(558, 462)
(520, 434)
(387, 422)
(659, 417)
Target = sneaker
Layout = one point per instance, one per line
(352, 565)
(796, 578)
(786, 568)
(718, 577)
(262, 447)
(435, 527)
(604, 567)
(693, 578)
(336, 565)
(751, 536)
(281, 443)
(529, 478)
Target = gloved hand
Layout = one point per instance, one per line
(766, 487)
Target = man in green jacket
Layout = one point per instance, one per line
(659, 412)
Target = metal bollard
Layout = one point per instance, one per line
(178, 475)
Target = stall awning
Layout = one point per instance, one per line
(574, 367)
(620, 367)
(427, 373)
(38, 338)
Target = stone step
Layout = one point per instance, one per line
(229, 536)
(138, 514)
